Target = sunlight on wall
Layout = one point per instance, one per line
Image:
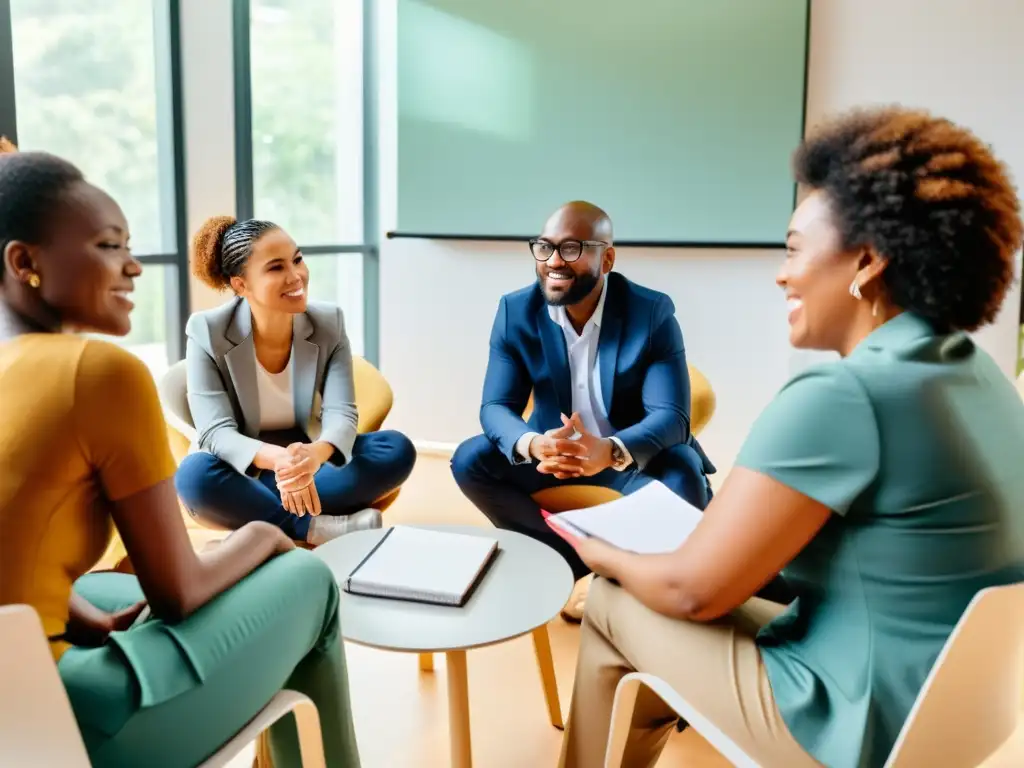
(465, 74)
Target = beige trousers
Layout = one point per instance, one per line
(715, 666)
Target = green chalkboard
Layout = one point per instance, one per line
(677, 116)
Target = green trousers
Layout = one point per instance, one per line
(169, 696)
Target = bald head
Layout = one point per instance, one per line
(574, 253)
(579, 220)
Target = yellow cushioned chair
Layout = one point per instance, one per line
(702, 401)
(702, 408)
(374, 398)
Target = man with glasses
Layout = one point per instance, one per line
(604, 362)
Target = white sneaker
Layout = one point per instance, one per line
(323, 528)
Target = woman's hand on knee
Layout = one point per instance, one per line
(278, 538)
(175, 580)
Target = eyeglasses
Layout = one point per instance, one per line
(569, 250)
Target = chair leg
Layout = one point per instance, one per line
(426, 662)
(542, 647)
(284, 703)
(622, 717)
(311, 742)
(262, 757)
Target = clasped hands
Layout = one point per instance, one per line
(559, 453)
(294, 471)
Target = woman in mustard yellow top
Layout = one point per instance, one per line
(83, 449)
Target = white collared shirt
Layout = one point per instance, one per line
(584, 374)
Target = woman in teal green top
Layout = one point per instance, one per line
(886, 484)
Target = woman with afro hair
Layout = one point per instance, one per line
(886, 484)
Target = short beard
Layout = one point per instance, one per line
(581, 287)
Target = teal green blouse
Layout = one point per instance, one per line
(916, 442)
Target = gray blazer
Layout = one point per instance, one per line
(222, 383)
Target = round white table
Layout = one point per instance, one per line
(525, 587)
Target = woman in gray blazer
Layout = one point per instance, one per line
(272, 397)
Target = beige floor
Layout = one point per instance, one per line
(401, 714)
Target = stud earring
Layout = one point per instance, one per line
(34, 281)
(855, 290)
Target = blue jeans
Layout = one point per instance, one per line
(214, 491)
(502, 490)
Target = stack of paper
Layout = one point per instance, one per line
(650, 521)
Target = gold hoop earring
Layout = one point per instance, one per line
(34, 281)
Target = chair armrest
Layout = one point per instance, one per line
(180, 426)
(622, 715)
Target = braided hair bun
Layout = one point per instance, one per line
(222, 247)
(207, 249)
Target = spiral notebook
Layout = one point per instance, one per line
(422, 565)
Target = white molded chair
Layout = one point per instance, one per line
(173, 389)
(307, 721)
(37, 725)
(968, 707)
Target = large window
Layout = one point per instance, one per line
(301, 150)
(95, 82)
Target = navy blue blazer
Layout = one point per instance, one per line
(645, 383)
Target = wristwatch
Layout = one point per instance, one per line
(619, 462)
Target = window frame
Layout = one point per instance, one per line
(244, 184)
(167, 25)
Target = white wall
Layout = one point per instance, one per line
(208, 93)
(962, 59)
